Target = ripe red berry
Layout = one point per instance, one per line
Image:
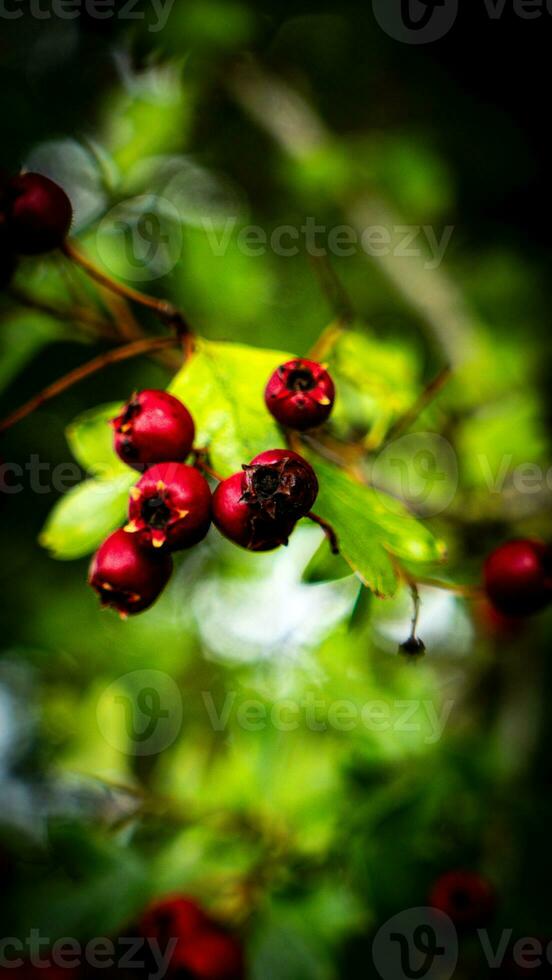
(243, 524)
(39, 214)
(280, 484)
(466, 897)
(127, 577)
(153, 427)
(173, 917)
(518, 577)
(213, 955)
(170, 506)
(300, 394)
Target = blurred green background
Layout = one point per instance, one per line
(306, 840)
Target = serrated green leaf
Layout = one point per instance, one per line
(369, 526)
(325, 567)
(86, 515)
(90, 439)
(223, 388)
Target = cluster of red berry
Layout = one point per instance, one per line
(171, 507)
(195, 946)
(466, 897)
(35, 217)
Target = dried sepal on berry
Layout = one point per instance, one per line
(300, 394)
(170, 507)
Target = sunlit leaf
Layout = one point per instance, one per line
(370, 525)
(86, 515)
(223, 388)
(90, 439)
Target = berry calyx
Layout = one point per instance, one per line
(153, 427)
(243, 524)
(126, 577)
(38, 214)
(300, 394)
(466, 897)
(518, 577)
(170, 507)
(280, 484)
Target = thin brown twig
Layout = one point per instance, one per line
(200, 462)
(327, 529)
(82, 315)
(332, 287)
(166, 311)
(124, 353)
(428, 394)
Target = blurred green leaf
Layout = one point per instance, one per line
(325, 566)
(22, 335)
(90, 439)
(223, 387)
(369, 525)
(86, 515)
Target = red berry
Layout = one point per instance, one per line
(171, 506)
(213, 955)
(243, 524)
(39, 214)
(153, 427)
(518, 577)
(466, 897)
(127, 577)
(300, 394)
(280, 484)
(173, 917)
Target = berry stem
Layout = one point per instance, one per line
(201, 464)
(146, 346)
(89, 319)
(167, 313)
(328, 531)
(430, 392)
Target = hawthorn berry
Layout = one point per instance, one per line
(153, 427)
(300, 394)
(173, 917)
(127, 577)
(518, 577)
(243, 524)
(38, 212)
(280, 484)
(170, 506)
(465, 896)
(213, 955)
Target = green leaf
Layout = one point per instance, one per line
(369, 526)
(223, 388)
(86, 515)
(325, 567)
(90, 439)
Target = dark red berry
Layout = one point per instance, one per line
(300, 394)
(153, 427)
(127, 577)
(39, 214)
(213, 955)
(280, 484)
(518, 577)
(170, 506)
(243, 524)
(173, 917)
(413, 647)
(466, 897)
